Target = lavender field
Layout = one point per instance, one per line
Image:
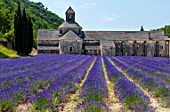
(83, 83)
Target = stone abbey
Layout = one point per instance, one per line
(70, 39)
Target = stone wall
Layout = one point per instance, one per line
(70, 47)
(108, 51)
(123, 48)
(141, 48)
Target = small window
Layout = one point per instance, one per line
(71, 49)
(144, 43)
(161, 47)
(61, 31)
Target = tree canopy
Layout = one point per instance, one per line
(40, 16)
(23, 32)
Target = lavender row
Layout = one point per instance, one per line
(155, 86)
(94, 90)
(60, 91)
(10, 63)
(27, 66)
(30, 74)
(149, 62)
(27, 89)
(127, 92)
(148, 69)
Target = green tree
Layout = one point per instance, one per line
(23, 32)
(141, 29)
(5, 19)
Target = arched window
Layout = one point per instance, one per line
(144, 43)
(137, 46)
(71, 49)
(61, 31)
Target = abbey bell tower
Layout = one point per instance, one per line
(70, 15)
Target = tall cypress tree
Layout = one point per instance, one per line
(30, 34)
(23, 32)
(141, 29)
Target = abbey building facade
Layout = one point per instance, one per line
(71, 39)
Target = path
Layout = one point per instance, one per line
(69, 107)
(112, 101)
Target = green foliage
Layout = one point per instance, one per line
(56, 97)
(41, 104)
(166, 80)
(40, 16)
(6, 53)
(5, 18)
(134, 102)
(133, 75)
(116, 77)
(2, 36)
(141, 29)
(161, 91)
(34, 88)
(19, 97)
(94, 109)
(150, 84)
(153, 74)
(9, 36)
(43, 84)
(6, 105)
(23, 32)
(94, 96)
(78, 88)
(5, 84)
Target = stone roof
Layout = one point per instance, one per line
(92, 47)
(158, 35)
(47, 48)
(107, 43)
(122, 35)
(159, 38)
(70, 35)
(115, 35)
(70, 25)
(105, 35)
(70, 10)
(48, 35)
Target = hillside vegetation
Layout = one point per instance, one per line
(6, 53)
(41, 17)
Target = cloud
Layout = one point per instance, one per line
(109, 18)
(88, 5)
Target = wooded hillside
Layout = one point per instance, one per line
(41, 17)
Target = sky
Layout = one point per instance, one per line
(114, 15)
